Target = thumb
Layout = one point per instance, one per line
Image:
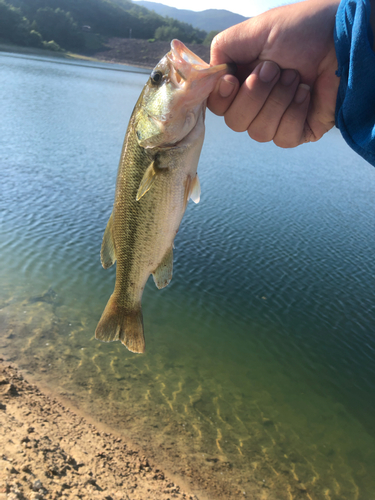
(240, 44)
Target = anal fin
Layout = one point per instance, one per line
(108, 252)
(163, 274)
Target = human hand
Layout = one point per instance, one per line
(280, 55)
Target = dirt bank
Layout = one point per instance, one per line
(141, 52)
(133, 52)
(47, 451)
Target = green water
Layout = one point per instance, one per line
(258, 379)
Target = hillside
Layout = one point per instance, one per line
(37, 23)
(208, 20)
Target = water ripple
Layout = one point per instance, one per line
(262, 346)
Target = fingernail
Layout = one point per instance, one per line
(287, 77)
(268, 71)
(226, 87)
(302, 92)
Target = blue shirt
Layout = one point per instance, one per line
(355, 105)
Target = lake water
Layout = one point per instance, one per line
(258, 379)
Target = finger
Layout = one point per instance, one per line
(223, 94)
(252, 95)
(293, 128)
(264, 126)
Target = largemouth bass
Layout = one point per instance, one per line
(157, 176)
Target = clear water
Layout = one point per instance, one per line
(258, 380)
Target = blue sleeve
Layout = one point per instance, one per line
(355, 106)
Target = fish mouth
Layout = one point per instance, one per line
(188, 69)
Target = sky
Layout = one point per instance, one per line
(247, 8)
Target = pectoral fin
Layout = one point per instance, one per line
(195, 189)
(147, 180)
(192, 190)
(163, 274)
(107, 252)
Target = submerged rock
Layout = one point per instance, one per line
(50, 297)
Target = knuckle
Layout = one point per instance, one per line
(215, 44)
(292, 117)
(279, 101)
(254, 95)
(217, 48)
(215, 107)
(234, 123)
(260, 134)
(286, 142)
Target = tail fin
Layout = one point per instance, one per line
(117, 323)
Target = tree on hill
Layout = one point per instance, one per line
(62, 21)
(167, 33)
(59, 26)
(177, 29)
(105, 17)
(13, 26)
(209, 37)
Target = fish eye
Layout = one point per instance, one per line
(156, 77)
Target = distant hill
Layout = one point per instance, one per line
(208, 20)
(85, 24)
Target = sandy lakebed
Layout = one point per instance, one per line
(49, 450)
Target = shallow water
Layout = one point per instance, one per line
(259, 374)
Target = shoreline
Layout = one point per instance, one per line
(50, 450)
(127, 52)
(69, 58)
